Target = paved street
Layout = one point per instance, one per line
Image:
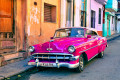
(106, 68)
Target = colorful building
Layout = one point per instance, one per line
(26, 22)
(97, 15)
(118, 18)
(110, 18)
(34, 21)
(73, 13)
(43, 18)
(82, 13)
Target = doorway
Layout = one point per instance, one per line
(92, 19)
(7, 40)
(108, 25)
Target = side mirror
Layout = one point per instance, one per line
(88, 36)
(51, 37)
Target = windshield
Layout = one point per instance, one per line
(74, 32)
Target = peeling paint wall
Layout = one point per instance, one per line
(20, 23)
(39, 31)
(33, 17)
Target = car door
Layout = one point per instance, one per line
(92, 43)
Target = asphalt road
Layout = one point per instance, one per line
(106, 68)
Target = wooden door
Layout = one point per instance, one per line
(6, 15)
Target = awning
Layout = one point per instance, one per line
(109, 13)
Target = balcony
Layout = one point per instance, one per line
(103, 2)
(7, 42)
(112, 5)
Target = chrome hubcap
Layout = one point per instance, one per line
(102, 53)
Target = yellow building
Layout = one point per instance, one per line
(26, 22)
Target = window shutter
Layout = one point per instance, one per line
(47, 13)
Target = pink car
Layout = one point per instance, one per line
(70, 47)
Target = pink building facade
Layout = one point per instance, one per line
(97, 16)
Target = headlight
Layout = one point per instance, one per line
(71, 49)
(31, 48)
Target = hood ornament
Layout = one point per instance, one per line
(51, 40)
(49, 49)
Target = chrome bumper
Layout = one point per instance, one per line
(58, 65)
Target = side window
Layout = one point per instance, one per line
(90, 32)
(94, 33)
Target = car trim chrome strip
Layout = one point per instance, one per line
(52, 57)
(68, 65)
(92, 57)
(91, 48)
(54, 54)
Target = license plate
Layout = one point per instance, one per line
(46, 64)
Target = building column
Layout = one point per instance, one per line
(105, 26)
(63, 13)
(109, 33)
(19, 27)
(88, 13)
(77, 13)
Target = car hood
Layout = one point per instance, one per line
(57, 45)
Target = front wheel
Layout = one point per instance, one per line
(101, 54)
(80, 68)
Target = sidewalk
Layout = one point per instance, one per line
(113, 37)
(14, 68)
(21, 66)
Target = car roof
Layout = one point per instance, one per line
(86, 28)
(71, 27)
(80, 27)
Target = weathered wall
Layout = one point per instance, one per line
(20, 20)
(37, 30)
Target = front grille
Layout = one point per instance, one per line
(52, 56)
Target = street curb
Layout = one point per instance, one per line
(5, 78)
(113, 38)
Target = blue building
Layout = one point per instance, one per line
(109, 27)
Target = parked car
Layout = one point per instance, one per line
(69, 47)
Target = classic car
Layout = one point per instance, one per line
(69, 47)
